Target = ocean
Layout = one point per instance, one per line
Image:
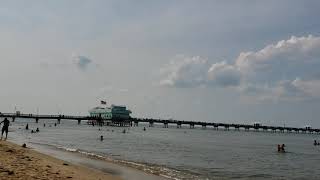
(182, 153)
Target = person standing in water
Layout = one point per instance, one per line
(5, 127)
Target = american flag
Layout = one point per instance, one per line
(103, 102)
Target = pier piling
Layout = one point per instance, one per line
(151, 124)
(191, 126)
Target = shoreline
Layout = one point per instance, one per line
(101, 165)
(17, 162)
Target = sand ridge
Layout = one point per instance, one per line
(17, 162)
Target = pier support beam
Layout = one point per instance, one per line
(191, 126)
(226, 128)
(37, 120)
(79, 121)
(165, 125)
(204, 126)
(178, 125)
(237, 128)
(151, 124)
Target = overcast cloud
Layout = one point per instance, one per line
(258, 60)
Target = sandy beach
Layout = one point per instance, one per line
(17, 162)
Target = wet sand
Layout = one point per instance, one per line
(17, 162)
(124, 172)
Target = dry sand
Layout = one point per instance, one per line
(17, 162)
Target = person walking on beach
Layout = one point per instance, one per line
(5, 127)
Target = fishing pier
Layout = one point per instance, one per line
(98, 120)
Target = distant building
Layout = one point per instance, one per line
(103, 112)
(109, 113)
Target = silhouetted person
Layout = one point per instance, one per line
(37, 130)
(27, 126)
(315, 142)
(5, 127)
(282, 148)
(279, 148)
(44, 124)
(55, 124)
(101, 138)
(144, 128)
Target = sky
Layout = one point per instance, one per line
(217, 61)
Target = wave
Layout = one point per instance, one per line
(155, 169)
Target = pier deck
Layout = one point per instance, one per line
(177, 123)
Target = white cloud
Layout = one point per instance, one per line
(289, 69)
(286, 60)
(222, 74)
(185, 71)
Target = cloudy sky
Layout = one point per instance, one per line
(221, 61)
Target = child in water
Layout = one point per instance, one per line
(281, 148)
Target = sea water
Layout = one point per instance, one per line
(183, 153)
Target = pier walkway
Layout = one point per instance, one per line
(176, 123)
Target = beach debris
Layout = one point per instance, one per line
(24, 145)
(65, 164)
(10, 150)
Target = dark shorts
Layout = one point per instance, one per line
(5, 129)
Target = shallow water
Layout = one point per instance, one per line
(186, 153)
